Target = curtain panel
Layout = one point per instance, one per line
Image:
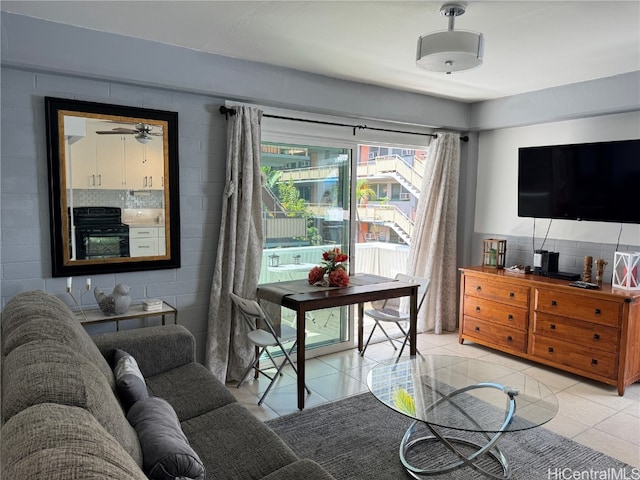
(433, 245)
(239, 254)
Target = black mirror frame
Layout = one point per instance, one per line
(59, 268)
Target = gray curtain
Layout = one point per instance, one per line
(239, 255)
(433, 245)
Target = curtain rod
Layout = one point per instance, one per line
(230, 111)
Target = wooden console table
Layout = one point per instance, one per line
(592, 333)
(95, 315)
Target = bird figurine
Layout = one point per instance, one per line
(115, 304)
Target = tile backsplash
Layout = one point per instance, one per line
(572, 252)
(118, 198)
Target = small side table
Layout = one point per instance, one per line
(95, 315)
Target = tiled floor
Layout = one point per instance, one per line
(590, 413)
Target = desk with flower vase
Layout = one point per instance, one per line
(301, 297)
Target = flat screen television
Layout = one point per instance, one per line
(588, 181)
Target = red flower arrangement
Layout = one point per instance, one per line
(333, 268)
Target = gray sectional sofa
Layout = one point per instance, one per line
(62, 417)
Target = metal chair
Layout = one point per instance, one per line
(263, 334)
(389, 311)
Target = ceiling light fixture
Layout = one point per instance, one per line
(143, 137)
(451, 50)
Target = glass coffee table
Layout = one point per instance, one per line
(466, 405)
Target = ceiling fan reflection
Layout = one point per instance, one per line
(142, 131)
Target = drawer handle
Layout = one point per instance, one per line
(477, 329)
(594, 362)
(512, 295)
(510, 317)
(554, 303)
(477, 308)
(509, 338)
(552, 326)
(596, 336)
(478, 288)
(598, 311)
(550, 349)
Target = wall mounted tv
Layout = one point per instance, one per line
(589, 181)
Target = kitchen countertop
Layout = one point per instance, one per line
(145, 225)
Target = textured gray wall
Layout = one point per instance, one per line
(572, 253)
(26, 259)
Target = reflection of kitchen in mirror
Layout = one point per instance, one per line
(115, 187)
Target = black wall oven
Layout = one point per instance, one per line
(99, 233)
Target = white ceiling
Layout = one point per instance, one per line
(529, 45)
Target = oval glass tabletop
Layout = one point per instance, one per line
(463, 394)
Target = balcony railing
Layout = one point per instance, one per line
(394, 165)
(284, 227)
(387, 165)
(388, 214)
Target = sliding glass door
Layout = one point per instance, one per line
(326, 187)
(306, 211)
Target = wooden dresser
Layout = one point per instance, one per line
(593, 333)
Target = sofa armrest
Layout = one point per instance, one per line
(156, 349)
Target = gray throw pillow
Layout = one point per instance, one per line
(129, 380)
(166, 453)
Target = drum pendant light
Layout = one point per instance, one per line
(451, 50)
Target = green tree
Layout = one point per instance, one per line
(289, 197)
(271, 177)
(364, 192)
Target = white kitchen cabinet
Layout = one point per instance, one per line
(144, 164)
(162, 243)
(109, 162)
(147, 241)
(96, 162)
(82, 165)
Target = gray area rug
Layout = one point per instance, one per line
(359, 438)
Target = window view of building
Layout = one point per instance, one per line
(307, 210)
(388, 187)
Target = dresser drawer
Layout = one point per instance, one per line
(578, 306)
(501, 313)
(498, 291)
(575, 331)
(588, 360)
(498, 335)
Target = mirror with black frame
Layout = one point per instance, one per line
(113, 188)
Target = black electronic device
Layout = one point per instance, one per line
(564, 276)
(590, 181)
(545, 262)
(587, 285)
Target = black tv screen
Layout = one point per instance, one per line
(589, 181)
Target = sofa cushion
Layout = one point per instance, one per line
(191, 390)
(129, 380)
(58, 442)
(49, 372)
(166, 452)
(38, 315)
(232, 443)
(157, 349)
